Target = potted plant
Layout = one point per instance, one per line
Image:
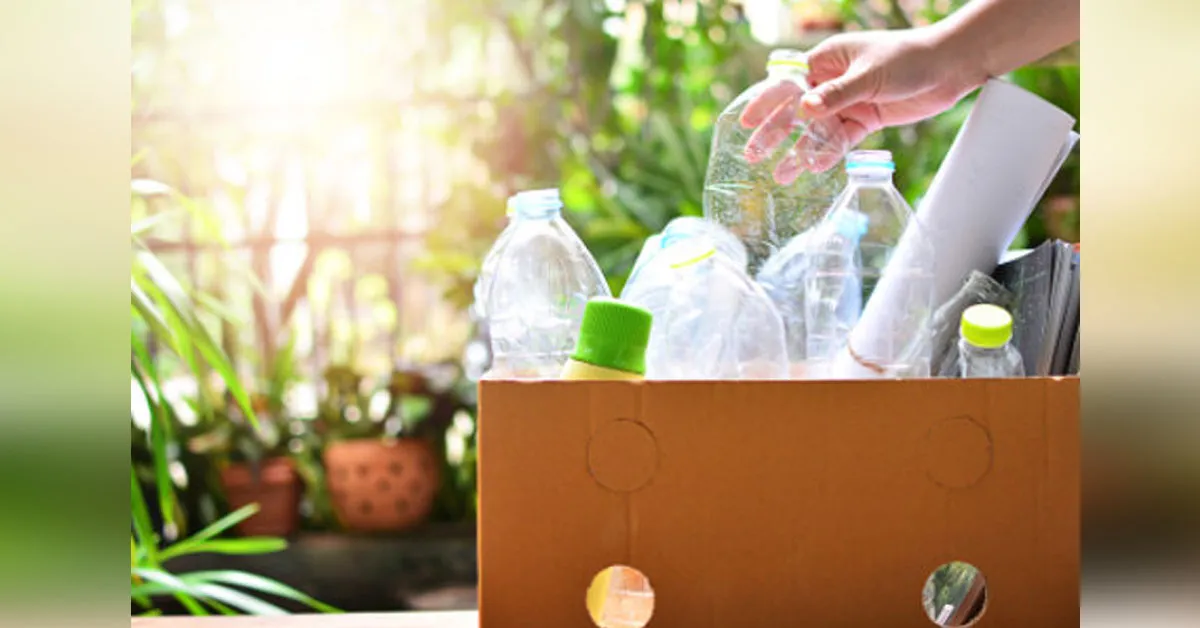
(381, 468)
(254, 465)
(166, 317)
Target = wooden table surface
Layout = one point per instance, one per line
(422, 619)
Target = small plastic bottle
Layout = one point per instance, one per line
(612, 342)
(985, 343)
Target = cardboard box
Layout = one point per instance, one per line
(768, 504)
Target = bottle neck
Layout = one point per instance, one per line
(977, 350)
(537, 212)
(870, 176)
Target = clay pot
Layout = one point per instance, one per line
(382, 486)
(276, 490)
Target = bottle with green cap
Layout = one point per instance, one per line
(612, 342)
(765, 180)
(985, 344)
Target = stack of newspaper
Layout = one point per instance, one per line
(1040, 287)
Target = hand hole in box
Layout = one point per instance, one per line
(955, 594)
(620, 597)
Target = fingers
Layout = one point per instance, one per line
(826, 141)
(767, 102)
(837, 94)
(774, 129)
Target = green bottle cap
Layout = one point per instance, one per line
(614, 335)
(986, 326)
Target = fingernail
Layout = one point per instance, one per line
(761, 144)
(788, 169)
(812, 101)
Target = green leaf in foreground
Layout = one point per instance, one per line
(189, 545)
(259, 584)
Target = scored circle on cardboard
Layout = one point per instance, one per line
(623, 455)
(957, 452)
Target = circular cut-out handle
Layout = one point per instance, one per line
(955, 594)
(620, 597)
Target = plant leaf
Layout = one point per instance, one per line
(160, 427)
(247, 545)
(211, 530)
(237, 599)
(191, 604)
(141, 518)
(148, 312)
(159, 582)
(179, 312)
(260, 584)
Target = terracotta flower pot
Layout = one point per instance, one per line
(379, 486)
(276, 490)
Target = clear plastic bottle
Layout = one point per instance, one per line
(894, 339)
(784, 275)
(711, 321)
(985, 343)
(684, 227)
(543, 279)
(745, 196)
(487, 269)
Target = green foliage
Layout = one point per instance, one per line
(165, 314)
(621, 119)
(948, 585)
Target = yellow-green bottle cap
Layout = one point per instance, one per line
(789, 58)
(614, 335)
(986, 326)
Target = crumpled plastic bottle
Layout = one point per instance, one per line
(711, 321)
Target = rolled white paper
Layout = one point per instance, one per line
(1005, 155)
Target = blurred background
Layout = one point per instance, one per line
(314, 184)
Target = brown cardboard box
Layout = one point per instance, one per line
(768, 504)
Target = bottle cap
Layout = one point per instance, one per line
(986, 326)
(536, 203)
(614, 335)
(788, 58)
(873, 159)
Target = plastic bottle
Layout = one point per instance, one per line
(543, 279)
(897, 342)
(487, 269)
(612, 342)
(685, 227)
(985, 343)
(745, 196)
(711, 321)
(783, 279)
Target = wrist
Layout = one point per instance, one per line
(958, 52)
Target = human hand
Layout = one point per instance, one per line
(861, 82)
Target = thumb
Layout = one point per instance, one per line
(837, 94)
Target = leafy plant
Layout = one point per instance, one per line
(166, 317)
(233, 437)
